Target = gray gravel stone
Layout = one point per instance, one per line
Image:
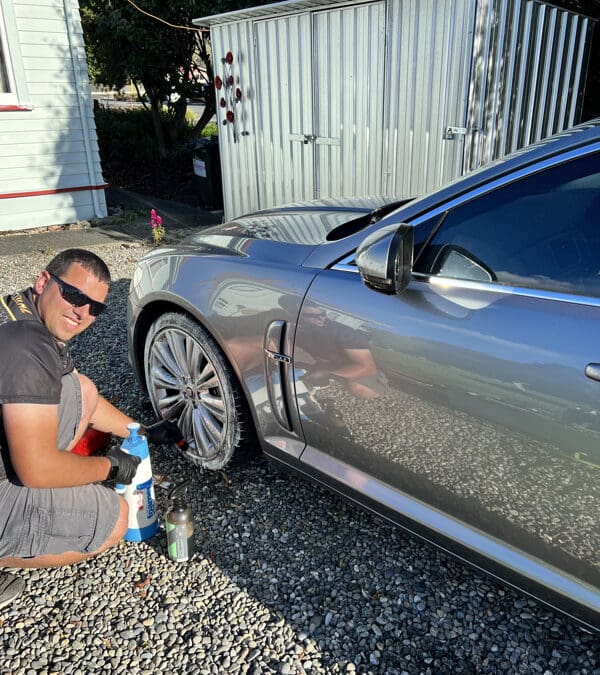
(287, 577)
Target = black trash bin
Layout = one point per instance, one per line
(207, 172)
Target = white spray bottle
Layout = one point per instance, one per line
(139, 494)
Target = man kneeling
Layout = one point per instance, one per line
(56, 507)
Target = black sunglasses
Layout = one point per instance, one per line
(76, 297)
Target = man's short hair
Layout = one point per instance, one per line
(88, 260)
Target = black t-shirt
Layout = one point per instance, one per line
(32, 362)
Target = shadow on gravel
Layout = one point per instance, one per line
(302, 572)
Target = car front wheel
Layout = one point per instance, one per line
(189, 381)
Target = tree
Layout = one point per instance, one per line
(124, 44)
(155, 45)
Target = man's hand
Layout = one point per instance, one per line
(123, 466)
(164, 432)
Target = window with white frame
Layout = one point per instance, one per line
(4, 83)
(13, 87)
(7, 84)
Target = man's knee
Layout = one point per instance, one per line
(119, 529)
(121, 525)
(89, 396)
(123, 519)
(89, 402)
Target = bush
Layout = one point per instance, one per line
(129, 133)
(124, 133)
(130, 159)
(211, 129)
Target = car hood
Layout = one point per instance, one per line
(303, 224)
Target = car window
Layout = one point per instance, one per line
(540, 232)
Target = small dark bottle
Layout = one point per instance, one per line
(179, 524)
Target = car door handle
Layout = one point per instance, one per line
(592, 370)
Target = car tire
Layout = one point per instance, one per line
(190, 381)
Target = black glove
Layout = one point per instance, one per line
(123, 466)
(162, 433)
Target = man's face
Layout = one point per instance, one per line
(60, 317)
(315, 315)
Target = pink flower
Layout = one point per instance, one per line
(156, 223)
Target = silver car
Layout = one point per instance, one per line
(436, 360)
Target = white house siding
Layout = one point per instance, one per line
(50, 169)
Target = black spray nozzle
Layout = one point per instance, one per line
(165, 432)
(177, 493)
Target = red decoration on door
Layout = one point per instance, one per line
(232, 95)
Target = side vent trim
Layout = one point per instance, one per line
(277, 365)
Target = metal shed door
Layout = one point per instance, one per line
(284, 95)
(349, 66)
(320, 80)
(426, 93)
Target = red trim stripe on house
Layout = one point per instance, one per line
(11, 108)
(55, 191)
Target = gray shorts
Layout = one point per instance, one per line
(36, 522)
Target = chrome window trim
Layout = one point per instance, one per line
(347, 264)
(464, 284)
(490, 287)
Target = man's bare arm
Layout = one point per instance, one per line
(31, 434)
(108, 418)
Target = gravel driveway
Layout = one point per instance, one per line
(288, 578)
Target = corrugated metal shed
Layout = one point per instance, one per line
(528, 76)
(325, 98)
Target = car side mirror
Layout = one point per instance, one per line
(384, 258)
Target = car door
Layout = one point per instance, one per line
(471, 402)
